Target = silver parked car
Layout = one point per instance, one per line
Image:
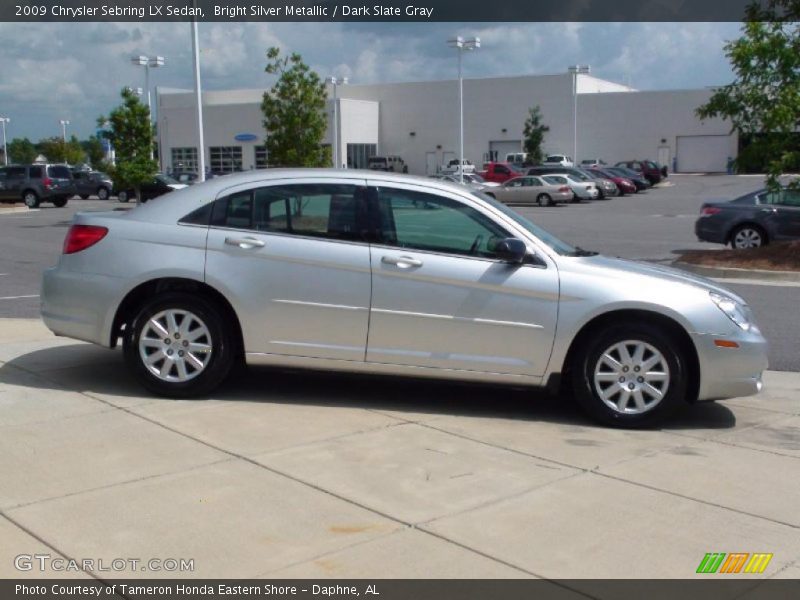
(529, 190)
(376, 272)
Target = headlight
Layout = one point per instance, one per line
(738, 313)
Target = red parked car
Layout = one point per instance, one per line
(650, 170)
(625, 185)
(499, 172)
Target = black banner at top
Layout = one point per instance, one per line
(372, 10)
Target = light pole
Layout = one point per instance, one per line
(64, 124)
(148, 62)
(3, 121)
(576, 70)
(336, 82)
(201, 151)
(460, 44)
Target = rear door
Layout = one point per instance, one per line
(293, 259)
(61, 180)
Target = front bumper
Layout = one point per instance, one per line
(731, 372)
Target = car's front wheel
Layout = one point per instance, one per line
(629, 375)
(178, 345)
(123, 196)
(747, 236)
(102, 193)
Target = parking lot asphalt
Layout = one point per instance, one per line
(286, 475)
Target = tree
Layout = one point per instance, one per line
(55, 150)
(94, 150)
(131, 135)
(294, 113)
(533, 135)
(763, 102)
(21, 150)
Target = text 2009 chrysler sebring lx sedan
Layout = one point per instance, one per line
(366, 271)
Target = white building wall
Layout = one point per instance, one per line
(419, 121)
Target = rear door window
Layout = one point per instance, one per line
(59, 172)
(35, 172)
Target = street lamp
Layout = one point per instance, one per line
(576, 70)
(3, 121)
(336, 82)
(461, 44)
(201, 151)
(64, 124)
(148, 62)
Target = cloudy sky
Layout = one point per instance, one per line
(75, 71)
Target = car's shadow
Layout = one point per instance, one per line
(102, 372)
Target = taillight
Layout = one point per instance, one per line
(81, 237)
(564, 188)
(47, 183)
(709, 210)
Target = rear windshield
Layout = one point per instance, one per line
(59, 172)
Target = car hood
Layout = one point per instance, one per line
(625, 268)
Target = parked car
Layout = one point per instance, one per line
(605, 186)
(499, 172)
(92, 183)
(37, 183)
(518, 159)
(560, 160)
(581, 190)
(752, 220)
(469, 291)
(650, 170)
(471, 180)
(592, 162)
(392, 163)
(531, 190)
(160, 184)
(185, 177)
(637, 179)
(454, 167)
(625, 185)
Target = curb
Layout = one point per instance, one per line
(730, 273)
(13, 209)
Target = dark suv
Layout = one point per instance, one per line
(92, 183)
(37, 183)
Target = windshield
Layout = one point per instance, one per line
(545, 237)
(166, 179)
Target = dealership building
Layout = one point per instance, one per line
(419, 122)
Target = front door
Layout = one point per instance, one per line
(293, 260)
(441, 299)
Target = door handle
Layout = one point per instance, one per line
(404, 262)
(769, 210)
(245, 243)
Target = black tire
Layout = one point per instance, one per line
(84, 196)
(544, 199)
(575, 198)
(103, 193)
(219, 360)
(31, 199)
(748, 236)
(60, 202)
(123, 196)
(588, 359)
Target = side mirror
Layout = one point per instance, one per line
(511, 250)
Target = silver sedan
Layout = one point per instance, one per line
(529, 190)
(375, 272)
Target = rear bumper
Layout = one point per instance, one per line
(731, 372)
(77, 305)
(706, 231)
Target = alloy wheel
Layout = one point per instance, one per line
(631, 377)
(175, 345)
(747, 237)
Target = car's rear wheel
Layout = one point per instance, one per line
(178, 345)
(575, 198)
(544, 199)
(30, 198)
(102, 193)
(748, 236)
(629, 375)
(60, 202)
(84, 196)
(123, 196)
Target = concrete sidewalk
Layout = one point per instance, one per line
(313, 475)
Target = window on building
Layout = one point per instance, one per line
(225, 159)
(358, 155)
(261, 157)
(184, 159)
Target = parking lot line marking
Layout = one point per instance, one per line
(18, 297)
